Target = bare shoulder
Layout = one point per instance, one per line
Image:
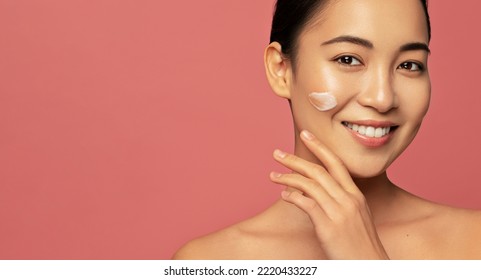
(238, 241)
(467, 220)
(425, 229)
(218, 245)
(461, 232)
(268, 235)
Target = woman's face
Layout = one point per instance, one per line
(372, 56)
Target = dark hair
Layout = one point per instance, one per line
(291, 16)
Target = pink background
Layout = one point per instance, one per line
(129, 127)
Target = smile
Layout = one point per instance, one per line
(371, 133)
(368, 131)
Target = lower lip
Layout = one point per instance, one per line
(371, 142)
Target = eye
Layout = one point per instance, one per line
(411, 66)
(348, 60)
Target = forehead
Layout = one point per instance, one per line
(383, 22)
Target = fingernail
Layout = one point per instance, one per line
(279, 154)
(285, 194)
(275, 174)
(307, 135)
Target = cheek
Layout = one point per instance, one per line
(330, 90)
(320, 93)
(323, 101)
(415, 101)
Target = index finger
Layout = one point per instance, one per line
(332, 163)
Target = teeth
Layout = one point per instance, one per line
(362, 130)
(369, 131)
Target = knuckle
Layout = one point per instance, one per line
(311, 185)
(355, 209)
(305, 203)
(291, 158)
(310, 205)
(358, 199)
(361, 199)
(351, 207)
(319, 171)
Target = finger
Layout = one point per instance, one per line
(308, 205)
(309, 187)
(332, 163)
(309, 170)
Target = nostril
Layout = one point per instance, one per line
(380, 98)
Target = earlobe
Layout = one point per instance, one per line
(277, 70)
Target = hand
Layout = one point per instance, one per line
(335, 205)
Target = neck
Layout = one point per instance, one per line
(379, 192)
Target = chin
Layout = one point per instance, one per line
(366, 171)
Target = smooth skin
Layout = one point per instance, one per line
(333, 202)
(338, 202)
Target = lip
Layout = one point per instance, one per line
(372, 142)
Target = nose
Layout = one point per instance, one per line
(380, 94)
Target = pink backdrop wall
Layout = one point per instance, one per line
(129, 127)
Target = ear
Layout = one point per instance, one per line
(278, 70)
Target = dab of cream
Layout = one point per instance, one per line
(323, 101)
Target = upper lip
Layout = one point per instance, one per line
(373, 123)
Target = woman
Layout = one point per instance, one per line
(355, 74)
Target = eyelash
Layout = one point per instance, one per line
(418, 65)
(403, 65)
(339, 60)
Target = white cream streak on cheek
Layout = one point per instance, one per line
(323, 101)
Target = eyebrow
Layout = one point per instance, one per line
(415, 46)
(368, 44)
(350, 39)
